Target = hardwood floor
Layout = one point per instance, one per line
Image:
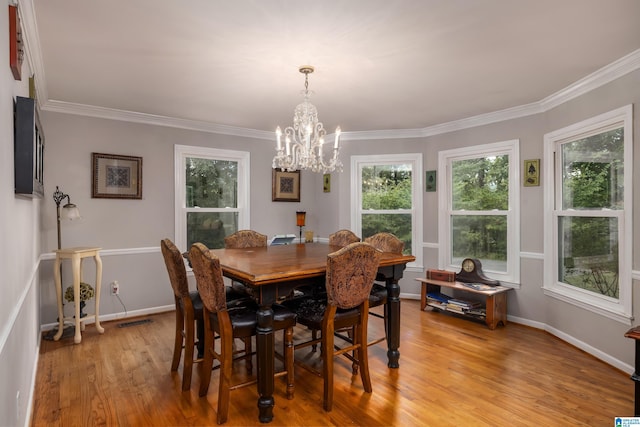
(453, 372)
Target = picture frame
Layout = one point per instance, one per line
(285, 186)
(430, 181)
(115, 176)
(531, 173)
(326, 182)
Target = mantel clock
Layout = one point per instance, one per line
(471, 272)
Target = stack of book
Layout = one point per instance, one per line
(461, 306)
(437, 299)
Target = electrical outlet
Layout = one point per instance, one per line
(115, 288)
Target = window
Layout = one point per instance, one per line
(588, 214)
(212, 195)
(387, 196)
(479, 208)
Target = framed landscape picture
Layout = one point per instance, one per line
(116, 177)
(285, 186)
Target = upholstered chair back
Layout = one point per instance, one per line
(343, 238)
(175, 267)
(350, 274)
(386, 242)
(245, 239)
(206, 268)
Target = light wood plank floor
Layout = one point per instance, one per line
(453, 372)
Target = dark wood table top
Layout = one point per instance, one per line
(272, 264)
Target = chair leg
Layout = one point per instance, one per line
(354, 365)
(226, 360)
(327, 367)
(363, 356)
(177, 345)
(189, 344)
(288, 352)
(207, 364)
(314, 336)
(248, 349)
(200, 336)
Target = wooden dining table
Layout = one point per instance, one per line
(274, 271)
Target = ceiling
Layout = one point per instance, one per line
(379, 64)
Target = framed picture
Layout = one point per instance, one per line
(116, 177)
(430, 181)
(531, 173)
(285, 186)
(326, 182)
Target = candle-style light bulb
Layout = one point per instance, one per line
(278, 135)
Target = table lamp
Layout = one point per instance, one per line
(69, 210)
(300, 218)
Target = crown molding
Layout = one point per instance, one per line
(151, 119)
(604, 75)
(32, 47)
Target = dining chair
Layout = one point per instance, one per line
(343, 238)
(244, 239)
(230, 323)
(188, 312)
(339, 238)
(349, 276)
(385, 242)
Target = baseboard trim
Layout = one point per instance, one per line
(117, 316)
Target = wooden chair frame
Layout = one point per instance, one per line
(185, 312)
(351, 264)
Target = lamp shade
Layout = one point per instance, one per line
(300, 218)
(70, 211)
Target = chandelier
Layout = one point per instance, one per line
(304, 141)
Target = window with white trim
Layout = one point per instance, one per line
(211, 195)
(588, 200)
(479, 208)
(388, 197)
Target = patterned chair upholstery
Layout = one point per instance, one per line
(239, 240)
(343, 238)
(245, 239)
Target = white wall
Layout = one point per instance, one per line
(19, 251)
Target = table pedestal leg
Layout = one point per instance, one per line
(393, 323)
(266, 365)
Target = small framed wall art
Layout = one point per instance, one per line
(326, 182)
(285, 186)
(16, 48)
(430, 181)
(531, 173)
(116, 177)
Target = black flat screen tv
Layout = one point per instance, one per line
(28, 149)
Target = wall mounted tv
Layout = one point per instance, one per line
(28, 145)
